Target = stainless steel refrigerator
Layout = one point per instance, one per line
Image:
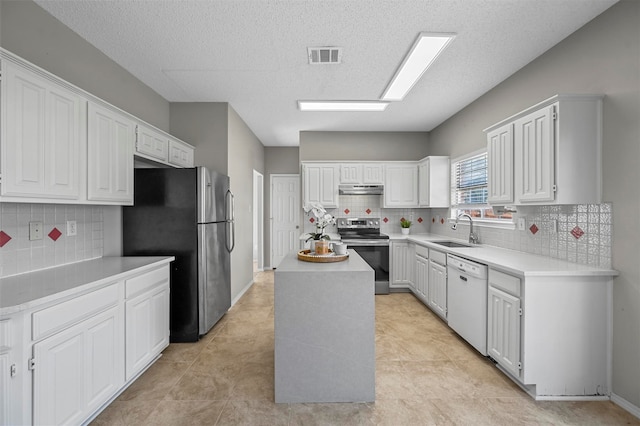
(186, 213)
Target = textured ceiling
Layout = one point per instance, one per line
(253, 53)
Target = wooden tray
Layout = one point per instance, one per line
(309, 256)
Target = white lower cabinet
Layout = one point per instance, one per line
(422, 278)
(503, 329)
(147, 325)
(78, 369)
(62, 362)
(401, 265)
(438, 288)
(503, 321)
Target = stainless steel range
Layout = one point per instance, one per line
(363, 235)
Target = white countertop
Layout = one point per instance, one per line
(354, 263)
(21, 292)
(510, 261)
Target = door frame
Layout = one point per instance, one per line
(258, 218)
(299, 224)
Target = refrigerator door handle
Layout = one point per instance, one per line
(231, 220)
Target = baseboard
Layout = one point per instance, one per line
(618, 400)
(244, 290)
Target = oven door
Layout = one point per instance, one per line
(376, 254)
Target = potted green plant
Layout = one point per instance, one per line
(405, 225)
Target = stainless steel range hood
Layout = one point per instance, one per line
(360, 189)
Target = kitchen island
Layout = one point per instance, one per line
(324, 331)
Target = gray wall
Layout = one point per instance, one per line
(225, 143)
(602, 57)
(389, 146)
(277, 160)
(33, 34)
(246, 154)
(206, 126)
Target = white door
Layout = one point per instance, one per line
(285, 216)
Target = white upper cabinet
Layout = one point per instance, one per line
(557, 158)
(151, 143)
(401, 185)
(321, 184)
(372, 174)
(110, 156)
(180, 153)
(42, 142)
(434, 174)
(534, 151)
(362, 173)
(158, 146)
(500, 164)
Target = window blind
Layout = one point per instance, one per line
(470, 181)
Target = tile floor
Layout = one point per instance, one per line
(425, 375)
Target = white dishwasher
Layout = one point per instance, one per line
(467, 300)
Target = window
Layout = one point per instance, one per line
(469, 190)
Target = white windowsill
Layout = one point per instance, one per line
(483, 223)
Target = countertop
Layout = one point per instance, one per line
(354, 263)
(510, 261)
(21, 292)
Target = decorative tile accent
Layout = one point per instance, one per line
(534, 229)
(4, 238)
(419, 220)
(55, 234)
(368, 211)
(577, 232)
(312, 220)
(433, 220)
(385, 220)
(442, 221)
(346, 211)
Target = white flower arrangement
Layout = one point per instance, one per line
(323, 219)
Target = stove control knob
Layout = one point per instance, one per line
(377, 223)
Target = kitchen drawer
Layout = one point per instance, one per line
(422, 251)
(438, 256)
(62, 315)
(504, 282)
(146, 281)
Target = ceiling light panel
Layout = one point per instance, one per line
(424, 52)
(370, 106)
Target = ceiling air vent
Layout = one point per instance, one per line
(324, 55)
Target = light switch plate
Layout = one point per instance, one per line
(521, 223)
(71, 228)
(35, 231)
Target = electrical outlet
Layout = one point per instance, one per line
(35, 231)
(71, 228)
(554, 226)
(521, 223)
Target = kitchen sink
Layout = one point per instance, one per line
(453, 244)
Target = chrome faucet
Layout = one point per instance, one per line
(473, 237)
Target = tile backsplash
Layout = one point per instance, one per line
(371, 206)
(577, 233)
(19, 255)
(582, 234)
